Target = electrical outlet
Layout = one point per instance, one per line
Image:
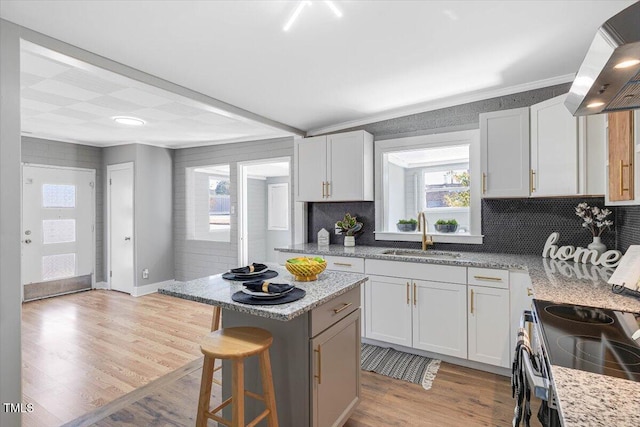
(145, 273)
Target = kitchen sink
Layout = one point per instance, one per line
(421, 254)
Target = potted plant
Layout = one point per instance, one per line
(593, 219)
(446, 225)
(349, 227)
(407, 225)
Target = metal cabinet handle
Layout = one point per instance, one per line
(471, 301)
(415, 294)
(529, 292)
(344, 307)
(323, 193)
(622, 166)
(484, 183)
(328, 191)
(408, 300)
(491, 279)
(319, 376)
(532, 181)
(343, 264)
(127, 238)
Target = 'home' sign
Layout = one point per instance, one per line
(570, 253)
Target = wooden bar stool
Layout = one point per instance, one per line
(236, 344)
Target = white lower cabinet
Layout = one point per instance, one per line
(388, 310)
(439, 317)
(488, 325)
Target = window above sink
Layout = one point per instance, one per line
(436, 174)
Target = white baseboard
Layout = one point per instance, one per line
(101, 285)
(139, 291)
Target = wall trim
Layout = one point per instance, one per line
(444, 103)
(151, 288)
(101, 285)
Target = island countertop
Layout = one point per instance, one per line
(215, 290)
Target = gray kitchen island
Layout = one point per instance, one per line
(315, 356)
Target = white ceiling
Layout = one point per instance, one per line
(382, 59)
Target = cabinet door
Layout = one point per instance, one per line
(488, 325)
(554, 149)
(621, 155)
(311, 158)
(335, 368)
(388, 310)
(504, 152)
(350, 166)
(440, 317)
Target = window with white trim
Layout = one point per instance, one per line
(434, 174)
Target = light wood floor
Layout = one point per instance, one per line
(84, 350)
(89, 349)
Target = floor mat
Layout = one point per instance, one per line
(399, 365)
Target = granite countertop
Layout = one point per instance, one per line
(215, 290)
(584, 398)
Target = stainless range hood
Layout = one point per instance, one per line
(604, 83)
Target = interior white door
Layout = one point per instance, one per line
(121, 239)
(58, 220)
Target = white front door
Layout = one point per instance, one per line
(121, 242)
(58, 223)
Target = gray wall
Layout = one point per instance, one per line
(56, 153)
(154, 213)
(257, 215)
(10, 294)
(153, 189)
(275, 238)
(199, 258)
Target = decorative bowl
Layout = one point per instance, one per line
(446, 228)
(305, 269)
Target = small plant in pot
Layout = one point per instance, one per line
(446, 225)
(349, 227)
(407, 225)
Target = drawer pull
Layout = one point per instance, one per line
(529, 292)
(344, 307)
(491, 279)
(345, 264)
(319, 376)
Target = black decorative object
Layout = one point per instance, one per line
(294, 295)
(269, 274)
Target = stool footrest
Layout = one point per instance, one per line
(222, 406)
(254, 395)
(259, 418)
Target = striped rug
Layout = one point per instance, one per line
(399, 365)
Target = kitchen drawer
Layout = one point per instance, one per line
(417, 270)
(334, 310)
(345, 263)
(488, 277)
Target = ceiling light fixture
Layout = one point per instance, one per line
(295, 15)
(595, 104)
(298, 10)
(334, 8)
(129, 121)
(627, 64)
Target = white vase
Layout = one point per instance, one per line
(597, 245)
(349, 240)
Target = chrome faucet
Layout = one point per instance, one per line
(427, 240)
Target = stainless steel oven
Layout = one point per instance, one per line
(531, 375)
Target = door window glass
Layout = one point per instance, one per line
(58, 196)
(58, 266)
(58, 231)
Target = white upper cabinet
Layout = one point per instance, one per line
(504, 153)
(335, 168)
(554, 149)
